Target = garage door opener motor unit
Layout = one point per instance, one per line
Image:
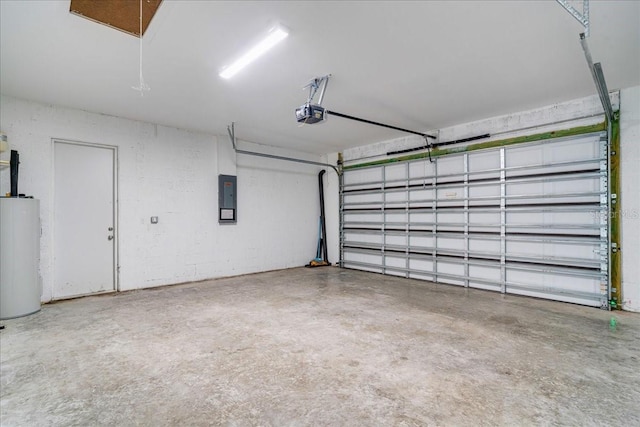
(313, 113)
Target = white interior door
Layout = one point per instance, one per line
(84, 219)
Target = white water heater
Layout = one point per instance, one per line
(20, 287)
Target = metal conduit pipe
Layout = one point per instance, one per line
(232, 135)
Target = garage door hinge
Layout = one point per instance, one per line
(615, 248)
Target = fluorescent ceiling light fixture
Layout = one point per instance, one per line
(275, 36)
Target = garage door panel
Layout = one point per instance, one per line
(544, 278)
(364, 217)
(560, 220)
(579, 290)
(396, 197)
(450, 193)
(486, 190)
(422, 217)
(552, 231)
(421, 241)
(484, 285)
(523, 219)
(567, 151)
(589, 183)
(421, 193)
(372, 199)
(421, 265)
(396, 240)
(525, 156)
(396, 219)
(586, 254)
(481, 217)
(450, 245)
(449, 168)
(362, 176)
(362, 267)
(421, 169)
(364, 262)
(422, 197)
(491, 229)
(488, 246)
(571, 150)
(550, 190)
(454, 218)
(395, 260)
(371, 258)
(420, 276)
(485, 272)
(547, 191)
(483, 277)
(351, 237)
(552, 294)
(485, 164)
(451, 273)
(397, 172)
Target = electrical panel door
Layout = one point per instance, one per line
(227, 199)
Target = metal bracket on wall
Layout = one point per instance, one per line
(582, 18)
(598, 78)
(595, 69)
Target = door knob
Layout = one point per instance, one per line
(110, 238)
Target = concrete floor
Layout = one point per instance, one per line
(319, 347)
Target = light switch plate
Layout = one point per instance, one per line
(154, 220)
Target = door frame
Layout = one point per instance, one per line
(116, 210)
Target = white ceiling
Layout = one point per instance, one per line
(417, 65)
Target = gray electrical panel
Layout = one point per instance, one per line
(227, 199)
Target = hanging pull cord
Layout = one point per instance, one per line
(427, 145)
(143, 86)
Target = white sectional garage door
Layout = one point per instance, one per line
(525, 219)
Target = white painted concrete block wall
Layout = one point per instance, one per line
(504, 126)
(172, 174)
(630, 200)
(278, 210)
